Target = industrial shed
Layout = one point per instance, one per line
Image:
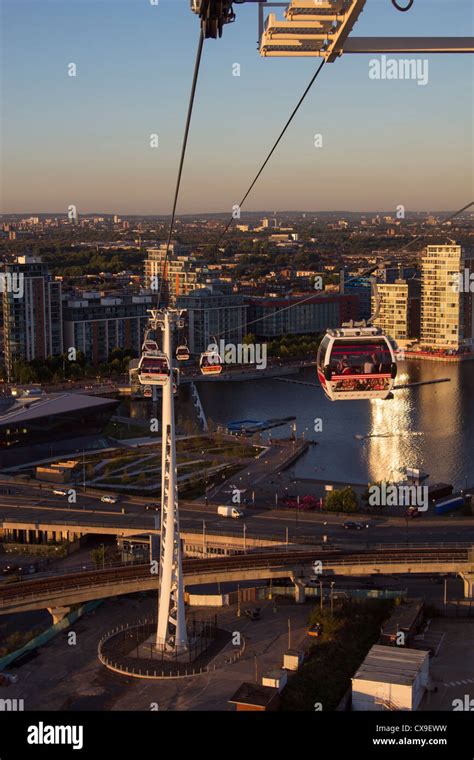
(390, 678)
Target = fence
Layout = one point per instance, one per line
(117, 648)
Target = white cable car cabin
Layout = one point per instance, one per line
(153, 368)
(150, 346)
(182, 353)
(210, 363)
(356, 363)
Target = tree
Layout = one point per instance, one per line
(98, 556)
(333, 501)
(343, 500)
(349, 500)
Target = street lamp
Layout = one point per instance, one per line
(245, 538)
(203, 538)
(332, 597)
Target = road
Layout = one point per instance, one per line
(27, 501)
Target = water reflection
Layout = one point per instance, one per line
(394, 443)
(430, 427)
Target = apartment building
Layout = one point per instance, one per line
(180, 274)
(33, 319)
(447, 317)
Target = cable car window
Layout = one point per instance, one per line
(364, 358)
(322, 351)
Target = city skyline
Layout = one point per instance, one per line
(84, 140)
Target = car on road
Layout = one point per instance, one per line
(253, 614)
(8, 570)
(352, 525)
(316, 630)
(59, 492)
(109, 499)
(153, 507)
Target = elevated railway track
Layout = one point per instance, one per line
(58, 590)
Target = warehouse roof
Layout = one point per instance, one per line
(398, 665)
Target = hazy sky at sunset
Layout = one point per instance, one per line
(85, 140)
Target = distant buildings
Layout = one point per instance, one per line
(33, 322)
(299, 315)
(361, 288)
(447, 317)
(180, 275)
(211, 313)
(97, 325)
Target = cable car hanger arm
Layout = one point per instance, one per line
(290, 37)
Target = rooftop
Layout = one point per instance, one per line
(395, 665)
(254, 694)
(33, 408)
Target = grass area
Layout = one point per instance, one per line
(195, 488)
(120, 431)
(334, 658)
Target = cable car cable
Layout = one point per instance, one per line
(183, 153)
(293, 114)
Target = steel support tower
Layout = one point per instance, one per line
(171, 634)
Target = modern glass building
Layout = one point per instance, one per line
(36, 427)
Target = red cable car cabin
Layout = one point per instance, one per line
(210, 363)
(153, 369)
(356, 363)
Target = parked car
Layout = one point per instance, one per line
(109, 499)
(316, 630)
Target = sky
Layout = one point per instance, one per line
(85, 140)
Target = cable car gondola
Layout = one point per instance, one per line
(210, 362)
(153, 368)
(182, 353)
(150, 346)
(148, 391)
(356, 363)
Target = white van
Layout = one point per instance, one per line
(108, 500)
(230, 512)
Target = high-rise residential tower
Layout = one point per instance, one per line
(447, 316)
(33, 320)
